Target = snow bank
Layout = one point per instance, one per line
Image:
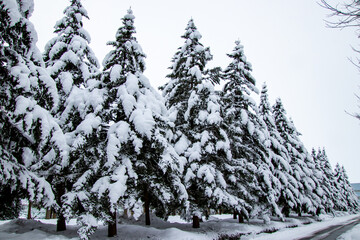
(177, 229)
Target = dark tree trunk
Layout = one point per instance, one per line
(125, 214)
(29, 210)
(112, 230)
(286, 211)
(48, 213)
(207, 214)
(299, 211)
(52, 214)
(196, 222)
(147, 206)
(234, 214)
(61, 223)
(241, 218)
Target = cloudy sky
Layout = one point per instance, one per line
(302, 61)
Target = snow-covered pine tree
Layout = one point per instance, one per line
(68, 56)
(28, 93)
(86, 150)
(279, 157)
(326, 178)
(136, 165)
(127, 53)
(308, 198)
(315, 189)
(74, 67)
(195, 110)
(351, 202)
(312, 182)
(339, 198)
(248, 136)
(189, 60)
(329, 173)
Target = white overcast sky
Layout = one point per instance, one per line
(302, 61)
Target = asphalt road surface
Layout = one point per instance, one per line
(331, 233)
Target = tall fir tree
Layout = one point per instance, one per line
(136, 166)
(309, 190)
(248, 135)
(190, 59)
(74, 67)
(347, 194)
(279, 157)
(71, 62)
(127, 53)
(195, 109)
(313, 184)
(326, 178)
(29, 134)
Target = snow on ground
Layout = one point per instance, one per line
(216, 227)
(353, 234)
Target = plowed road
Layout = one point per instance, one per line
(331, 233)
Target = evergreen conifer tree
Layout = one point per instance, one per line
(28, 133)
(326, 178)
(136, 165)
(308, 198)
(279, 157)
(248, 135)
(349, 198)
(190, 59)
(74, 67)
(313, 184)
(195, 109)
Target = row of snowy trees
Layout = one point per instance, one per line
(87, 142)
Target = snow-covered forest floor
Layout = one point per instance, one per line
(217, 227)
